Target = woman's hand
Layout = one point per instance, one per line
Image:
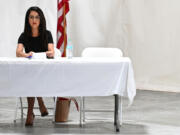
(29, 54)
(50, 54)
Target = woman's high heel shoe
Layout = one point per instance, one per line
(30, 119)
(42, 107)
(43, 111)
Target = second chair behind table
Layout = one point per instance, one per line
(102, 52)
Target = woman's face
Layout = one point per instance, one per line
(34, 19)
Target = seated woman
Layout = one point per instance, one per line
(35, 38)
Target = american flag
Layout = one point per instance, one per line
(63, 9)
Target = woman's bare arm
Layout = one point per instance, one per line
(50, 52)
(20, 53)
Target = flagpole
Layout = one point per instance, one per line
(64, 22)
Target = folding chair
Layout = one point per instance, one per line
(19, 100)
(102, 52)
(19, 105)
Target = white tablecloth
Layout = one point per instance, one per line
(66, 77)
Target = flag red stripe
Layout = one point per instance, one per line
(61, 24)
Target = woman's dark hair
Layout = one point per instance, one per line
(42, 25)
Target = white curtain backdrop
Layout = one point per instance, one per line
(147, 31)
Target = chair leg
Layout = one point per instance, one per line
(80, 116)
(54, 98)
(22, 113)
(83, 104)
(16, 109)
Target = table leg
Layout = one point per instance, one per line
(16, 109)
(117, 113)
(120, 111)
(115, 108)
(54, 110)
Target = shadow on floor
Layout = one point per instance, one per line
(45, 126)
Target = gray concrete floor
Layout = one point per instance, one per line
(152, 113)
